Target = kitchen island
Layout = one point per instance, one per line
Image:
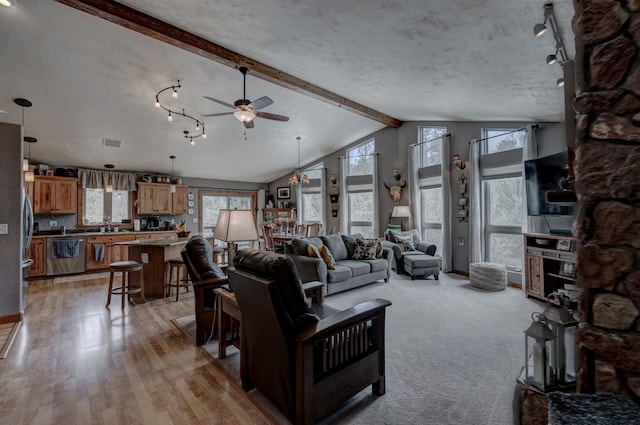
(155, 254)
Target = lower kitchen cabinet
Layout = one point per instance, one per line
(38, 253)
(101, 250)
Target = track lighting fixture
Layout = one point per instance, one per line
(199, 125)
(560, 55)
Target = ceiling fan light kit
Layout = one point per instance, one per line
(199, 125)
(8, 3)
(245, 110)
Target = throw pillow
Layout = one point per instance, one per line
(379, 252)
(405, 242)
(365, 249)
(327, 257)
(313, 251)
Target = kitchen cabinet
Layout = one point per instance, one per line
(156, 198)
(111, 252)
(38, 253)
(271, 214)
(550, 265)
(55, 195)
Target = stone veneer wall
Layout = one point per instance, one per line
(607, 169)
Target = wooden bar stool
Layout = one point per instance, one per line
(219, 254)
(126, 268)
(178, 265)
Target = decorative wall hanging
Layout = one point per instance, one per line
(395, 190)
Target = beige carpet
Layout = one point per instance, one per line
(8, 333)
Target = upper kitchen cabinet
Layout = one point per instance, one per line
(156, 198)
(55, 195)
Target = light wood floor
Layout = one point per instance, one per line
(76, 362)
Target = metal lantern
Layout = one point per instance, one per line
(564, 326)
(538, 344)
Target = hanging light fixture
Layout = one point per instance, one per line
(172, 188)
(28, 173)
(560, 55)
(8, 3)
(295, 179)
(199, 125)
(109, 187)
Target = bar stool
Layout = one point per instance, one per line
(125, 267)
(178, 265)
(219, 252)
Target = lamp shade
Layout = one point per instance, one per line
(236, 226)
(401, 211)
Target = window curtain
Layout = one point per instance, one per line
(529, 151)
(343, 212)
(447, 261)
(476, 235)
(414, 185)
(96, 179)
(376, 215)
(359, 183)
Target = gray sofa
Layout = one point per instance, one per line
(348, 273)
(420, 247)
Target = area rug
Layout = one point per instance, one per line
(453, 353)
(8, 332)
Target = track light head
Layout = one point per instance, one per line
(560, 82)
(551, 59)
(539, 29)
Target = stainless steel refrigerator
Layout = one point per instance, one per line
(27, 234)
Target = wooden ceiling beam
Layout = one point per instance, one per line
(144, 24)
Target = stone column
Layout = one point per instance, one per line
(607, 169)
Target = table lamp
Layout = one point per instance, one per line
(235, 226)
(402, 212)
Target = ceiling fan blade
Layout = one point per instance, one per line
(263, 102)
(228, 105)
(269, 116)
(218, 115)
(248, 124)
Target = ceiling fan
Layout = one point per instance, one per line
(246, 110)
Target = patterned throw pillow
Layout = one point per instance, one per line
(365, 249)
(405, 242)
(327, 257)
(379, 252)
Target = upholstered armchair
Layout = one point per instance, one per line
(205, 276)
(305, 364)
(406, 243)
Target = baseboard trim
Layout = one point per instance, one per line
(11, 318)
(511, 284)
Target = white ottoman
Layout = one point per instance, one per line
(488, 276)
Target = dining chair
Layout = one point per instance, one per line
(301, 229)
(313, 230)
(268, 237)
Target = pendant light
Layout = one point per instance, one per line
(295, 179)
(172, 188)
(109, 187)
(28, 173)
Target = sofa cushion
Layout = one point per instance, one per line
(378, 264)
(300, 245)
(336, 246)
(405, 242)
(358, 267)
(327, 257)
(339, 274)
(350, 244)
(413, 232)
(366, 249)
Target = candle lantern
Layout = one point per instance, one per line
(538, 344)
(564, 326)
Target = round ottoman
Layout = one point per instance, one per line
(488, 276)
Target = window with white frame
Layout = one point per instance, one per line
(431, 200)
(100, 206)
(360, 197)
(501, 165)
(311, 208)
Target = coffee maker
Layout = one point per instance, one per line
(153, 223)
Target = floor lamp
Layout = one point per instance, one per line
(401, 212)
(235, 226)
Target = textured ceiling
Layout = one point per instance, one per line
(415, 60)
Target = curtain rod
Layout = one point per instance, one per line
(357, 156)
(430, 140)
(503, 134)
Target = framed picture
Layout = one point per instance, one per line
(284, 193)
(462, 188)
(462, 213)
(462, 201)
(564, 245)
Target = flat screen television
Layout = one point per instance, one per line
(546, 186)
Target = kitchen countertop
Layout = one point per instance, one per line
(171, 241)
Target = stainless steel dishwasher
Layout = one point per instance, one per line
(66, 255)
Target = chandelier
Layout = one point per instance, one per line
(199, 125)
(295, 179)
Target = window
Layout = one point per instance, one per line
(500, 140)
(211, 202)
(502, 185)
(99, 206)
(430, 139)
(311, 208)
(360, 195)
(432, 212)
